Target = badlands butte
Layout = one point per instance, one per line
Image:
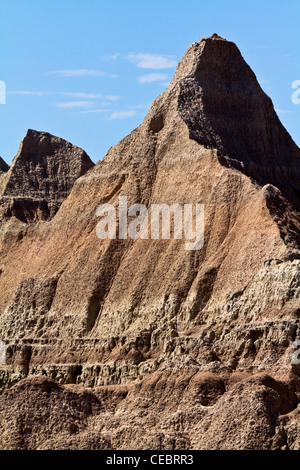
(141, 344)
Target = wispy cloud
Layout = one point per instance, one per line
(263, 80)
(94, 111)
(283, 111)
(71, 94)
(152, 77)
(89, 95)
(165, 83)
(75, 104)
(112, 97)
(140, 106)
(111, 56)
(30, 93)
(80, 95)
(122, 114)
(82, 73)
(152, 61)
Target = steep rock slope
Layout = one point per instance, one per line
(96, 313)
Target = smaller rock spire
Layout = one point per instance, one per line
(3, 166)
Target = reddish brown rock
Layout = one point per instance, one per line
(166, 411)
(125, 313)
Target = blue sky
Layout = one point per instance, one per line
(88, 70)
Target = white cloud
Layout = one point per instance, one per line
(80, 95)
(82, 73)
(165, 84)
(140, 106)
(94, 111)
(283, 111)
(35, 93)
(122, 114)
(68, 93)
(152, 61)
(112, 97)
(75, 104)
(152, 77)
(263, 80)
(111, 56)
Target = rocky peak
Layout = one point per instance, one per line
(42, 175)
(216, 36)
(226, 110)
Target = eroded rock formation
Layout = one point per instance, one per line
(199, 337)
(41, 176)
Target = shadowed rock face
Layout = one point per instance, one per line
(126, 313)
(41, 176)
(225, 109)
(3, 166)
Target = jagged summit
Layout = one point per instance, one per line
(37, 146)
(216, 36)
(218, 97)
(225, 108)
(41, 176)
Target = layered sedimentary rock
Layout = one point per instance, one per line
(124, 315)
(168, 410)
